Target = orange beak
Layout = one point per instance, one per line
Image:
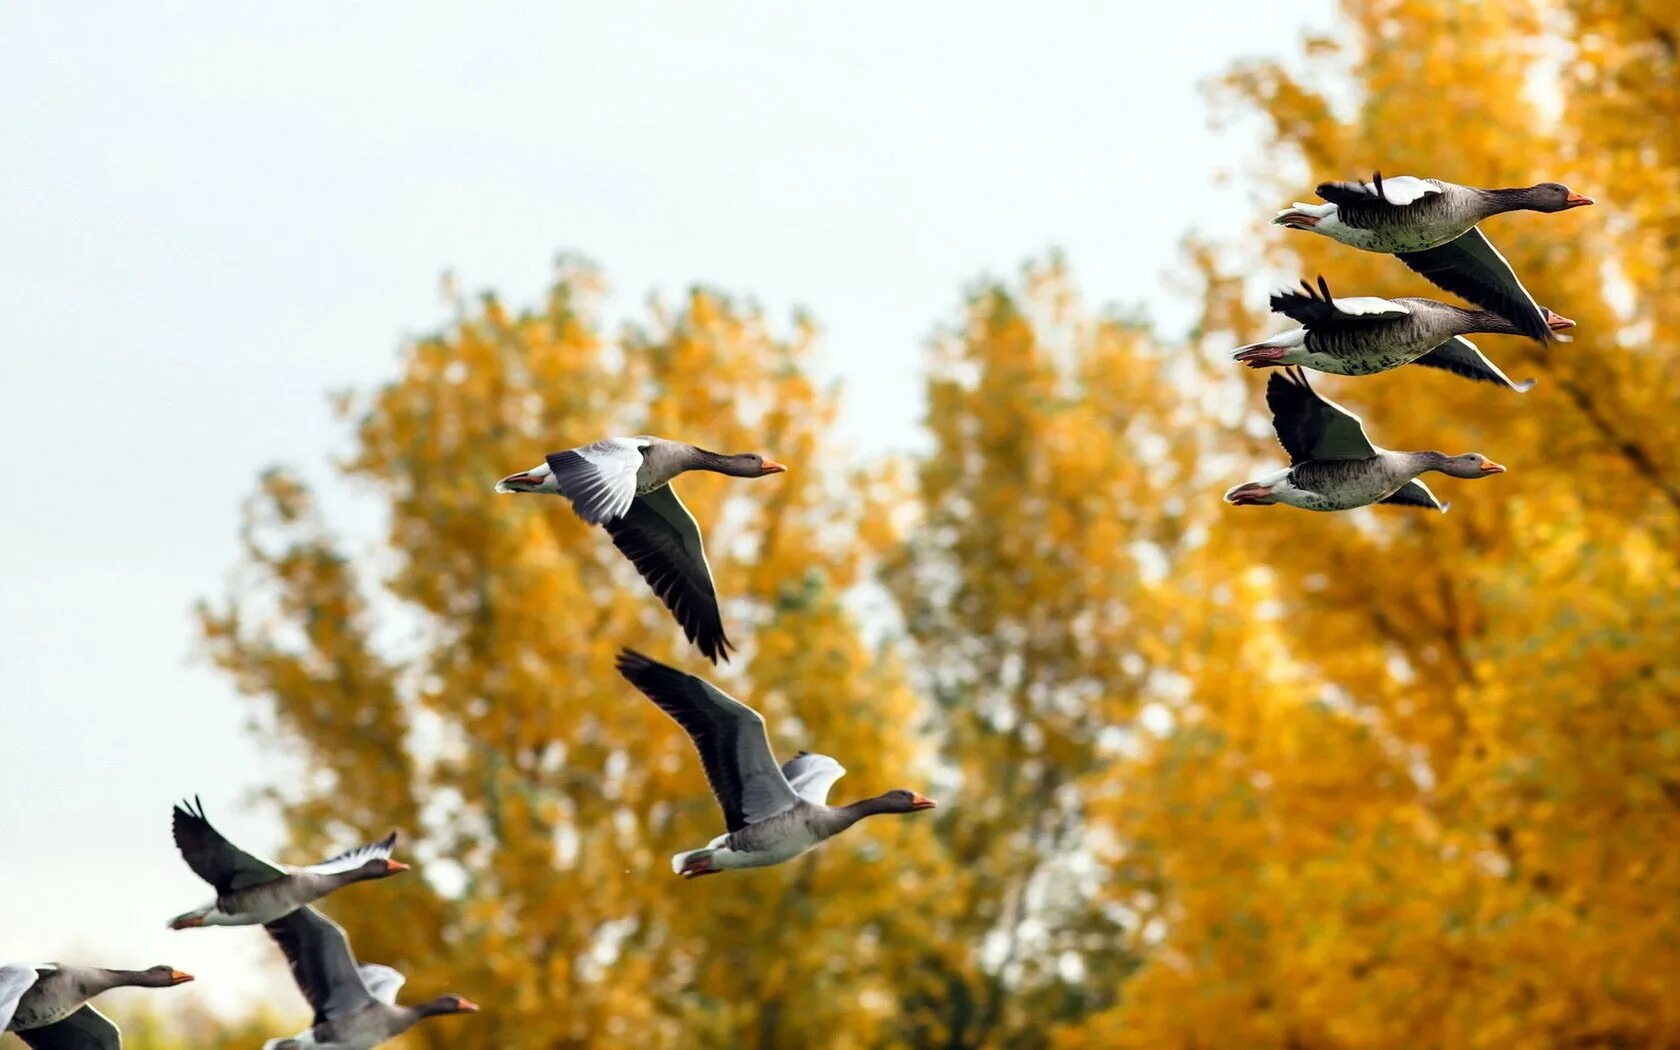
(467, 1005)
(772, 467)
(177, 977)
(1557, 322)
(1490, 467)
(921, 801)
(395, 867)
(1577, 200)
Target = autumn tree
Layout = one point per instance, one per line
(1049, 502)
(458, 684)
(1430, 798)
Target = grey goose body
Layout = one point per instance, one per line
(251, 891)
(771, 813)
(1432, 226)
(624, 485)
(355, 1005)
(1364, 335)
(1334, 466)
(47, 1005)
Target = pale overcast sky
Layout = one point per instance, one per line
(211, 214)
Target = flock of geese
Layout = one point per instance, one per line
(773, 812)
(1431, 226)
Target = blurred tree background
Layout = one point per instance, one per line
(1211, 777)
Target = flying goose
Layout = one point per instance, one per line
(1362, 335)
(1334, 466)
(772, 813)
(624, 484)
(47, 1006)
(1430, 225)
(355, 1005)
(250, 892)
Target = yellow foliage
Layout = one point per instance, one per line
(1212, 778)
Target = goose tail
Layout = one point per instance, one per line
(695, 862)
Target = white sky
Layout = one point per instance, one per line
(211, 214)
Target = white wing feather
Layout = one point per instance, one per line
(382, 982)
(600, 479)
(352, 859)
(1370, 305)
(1402, 189)
(15, 979)
(812, 775)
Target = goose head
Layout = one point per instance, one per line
(1553, 196)
(161, 977)
(378, 868)
(740, 465)
(1467, 465)
(447, 1004)
(903, 801)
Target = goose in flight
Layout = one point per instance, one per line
(1363, 335)
(47, 1005)
(355, 1005)
(772, 813)
(251, 892)
(1430, 225)
(624, 485)
(1334, 466)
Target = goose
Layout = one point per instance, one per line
(47, 1005)
(624, 484)
(1363, 335)
(251, 892)
(355, 1005)
(1334, 466)
(1430, 225)
(772, 813)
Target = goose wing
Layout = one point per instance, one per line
(730, 736)
(661, 538)
(86, 1029)
(352, 859)
(1310, 427)
(812, 775)
(1472, 267)
(1460, 356)
(15, 979)
(382, 982)
(1415, 493)
(600, 478)
(321, 962)
(1317, 308)
(1396, 192)
(213, 858)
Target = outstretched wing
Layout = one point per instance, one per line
(661, 538)
(213, 858)
(729, 735)
(1460, 356)
(812, 775)
(1396, 192)
(322, 964)
(1310, 427)
(86, 1029)
(1317, 308)
(600, 478)
(15, 979)
(1472, 267)
(352, 859)
(1415, 493)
